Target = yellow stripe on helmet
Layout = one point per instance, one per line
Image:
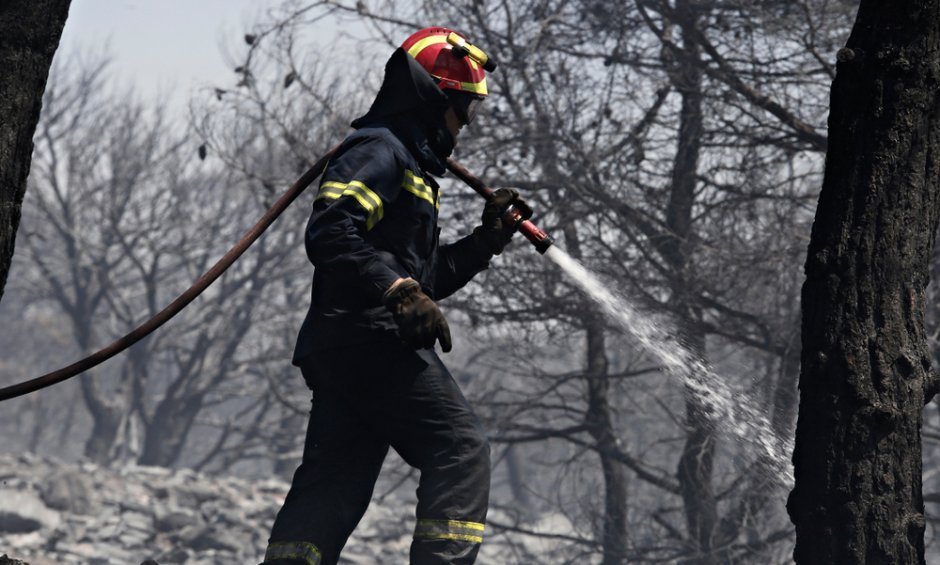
(474, 87)
(419, 46)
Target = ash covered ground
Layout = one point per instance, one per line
(53, 512)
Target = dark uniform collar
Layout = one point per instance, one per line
(431, 156)
(412, 106)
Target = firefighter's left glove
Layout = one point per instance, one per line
(493, 233)
(420, 321)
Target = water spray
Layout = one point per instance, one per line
(728, 411)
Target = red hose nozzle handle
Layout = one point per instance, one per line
(541, 240)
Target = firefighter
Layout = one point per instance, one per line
(366, 345)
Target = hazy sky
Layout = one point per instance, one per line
(164, 45)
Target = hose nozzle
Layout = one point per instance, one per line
(541, 240)
(517, 217)
(513, 215)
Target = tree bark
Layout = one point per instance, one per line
(29, 35)
(168, 429)
(696, 463)
(165, 438)
(105, 407)
(601, 428)
(600, 425)
(865, 361)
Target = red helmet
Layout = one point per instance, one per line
(451, 59)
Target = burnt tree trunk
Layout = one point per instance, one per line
(599, 416)
(600, 425)
(601, 428)
(865, 362)
(168, 429)
(29, 35)
(165, 437)
(696, 463)
(105, 407)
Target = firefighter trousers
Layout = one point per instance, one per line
(365, 399)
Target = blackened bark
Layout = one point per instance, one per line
(168, 429)
(106, 422)
(601, 429)
(598, 417)
(865, 360)
(517, 479)
(165, 438)
(106, 408)
(29, 35)
(600, 426)
(697, 460)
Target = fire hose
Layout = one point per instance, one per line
(512, 215)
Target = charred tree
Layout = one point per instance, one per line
(601, 427)
(599, 421)
(696, 463)
(29, 35)
(865, 362)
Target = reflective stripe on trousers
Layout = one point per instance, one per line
(449, 530)
(298, 550)
(362, 404)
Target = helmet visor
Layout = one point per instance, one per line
(472, 107)
(465, 104)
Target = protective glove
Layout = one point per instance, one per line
(494, 235)
(419, 320)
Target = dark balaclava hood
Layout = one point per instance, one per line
(410, 101)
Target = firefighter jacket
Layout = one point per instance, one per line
(375, 215)
(374, 220)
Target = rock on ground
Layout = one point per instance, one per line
(56, 513)
(61, 513)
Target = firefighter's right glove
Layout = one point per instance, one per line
(493, 234)
(419, 320)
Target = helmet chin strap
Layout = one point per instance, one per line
(441, 141)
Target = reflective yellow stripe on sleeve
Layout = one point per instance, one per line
(449, 530)
(304, 551)
(414, 184)
(331, 190)
(366, 198)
